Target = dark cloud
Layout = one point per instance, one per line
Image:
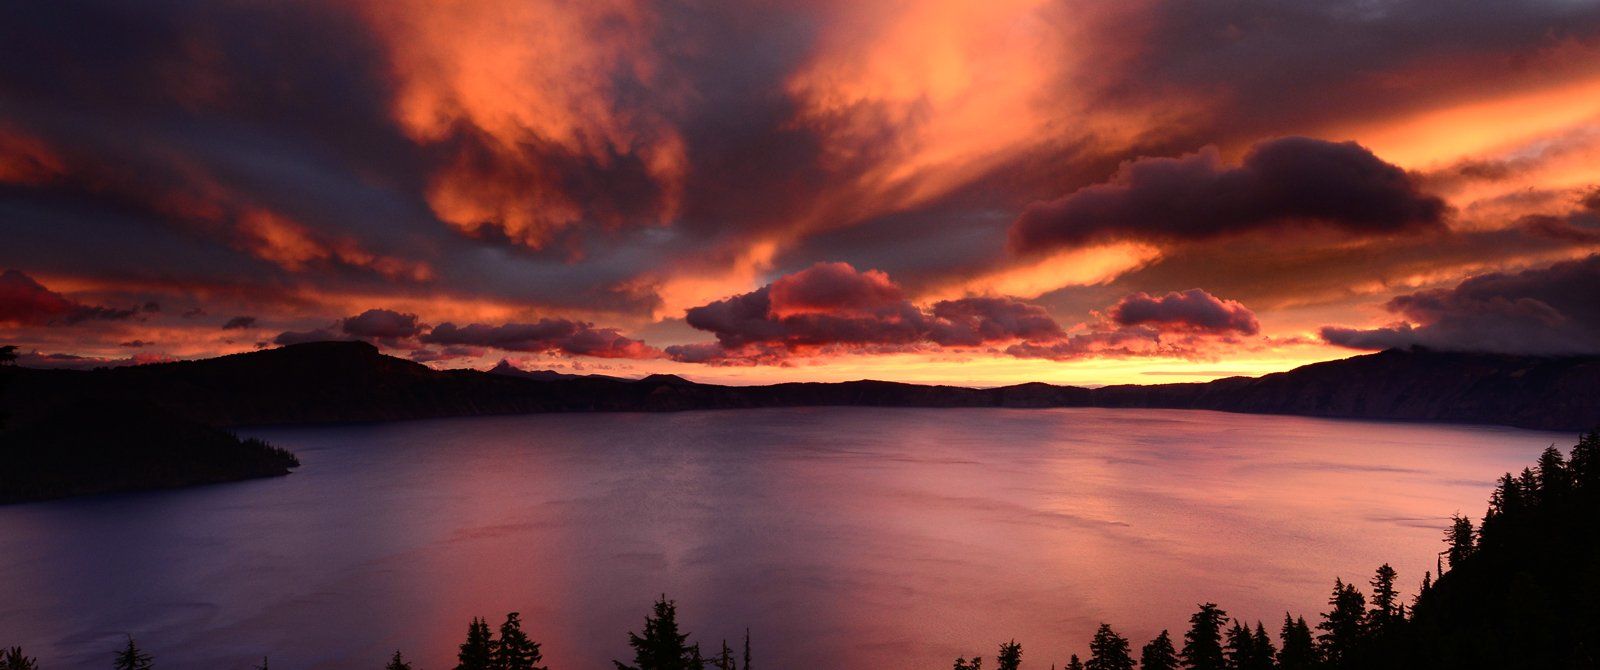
(1553, 310)
(303, 336)
(1193, 310)
(1293, 180)
(430, 355)
(240, 323)
(574, 338)
(24, 301)
(832, 306)
(382, 324)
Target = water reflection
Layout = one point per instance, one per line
(845, 536)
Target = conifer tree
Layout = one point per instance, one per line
(514, 650)
(662, 647)
(724, 659)
(1584, 465)
(1239, 652)
(1529, 483)
(1109, 651)
(477, 653)
(963, 664)
(130, 658)
(1427, 585)
(1387, 611)
(13, 659)
(1461, 539)
(747, 649)
(1508, 497)
(1264, 651)
(1202, 645)
(397, 662)
(1341, 626)
(1009, 656)
(1159, 654)
(1074, 663)
(1299, 649)
(1552, 473)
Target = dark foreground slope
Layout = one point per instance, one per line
(344, 381)
(87, 447)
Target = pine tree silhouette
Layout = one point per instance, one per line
(747, 649)
(963, 664)
(398, 662)
(1387, 611)
(1584, 464)
(1109, 651)
(1554, 485)
(1202, 645)
(1461, 539)
(130, 658)
(1342, 626)
(1159, 654)
(13, 659)
(1299, 648)
(514, 650)
(1265, 653)
(662, 647)
(477, 653)
(725, 659)
(1240, 651)
(1010, 656)
(1074, 663)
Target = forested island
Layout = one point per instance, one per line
(1519, 589)
(94, 444)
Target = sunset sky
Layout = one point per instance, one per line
(973, 192)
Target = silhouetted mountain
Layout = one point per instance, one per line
(504, 367)
(352, 381)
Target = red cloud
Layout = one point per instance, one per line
(1193, 310)
(832, 287)
(833, 306)
(24, 301)
(548, 335)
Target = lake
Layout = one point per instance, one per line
(841, 537)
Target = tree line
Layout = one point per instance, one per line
(1518, 589)
(659, 646)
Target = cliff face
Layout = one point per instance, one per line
(342, 381)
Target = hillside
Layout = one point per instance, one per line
(346, 381)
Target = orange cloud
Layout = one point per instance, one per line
(517, 95)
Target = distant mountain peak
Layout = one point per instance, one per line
(666, 380)
(507, 369)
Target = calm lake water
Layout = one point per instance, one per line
(842, 537)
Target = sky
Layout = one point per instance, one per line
(973, 192)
